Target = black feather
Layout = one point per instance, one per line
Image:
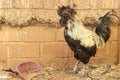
(81, 52)
(103, 28)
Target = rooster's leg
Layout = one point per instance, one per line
(75, 69)
(83, 71)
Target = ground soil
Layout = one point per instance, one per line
(94, 72)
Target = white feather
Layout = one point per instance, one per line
(87, 37)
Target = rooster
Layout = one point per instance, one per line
(82, 41)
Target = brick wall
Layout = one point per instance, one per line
(46, 45)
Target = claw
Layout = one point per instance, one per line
(83, 72)
(75, 70)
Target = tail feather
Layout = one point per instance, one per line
(103, 30)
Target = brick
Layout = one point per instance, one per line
(62, 2)
(102, 60)
(2, 36)
(26, 15)
(41, 13)
(109, 60)
(47, 15)
(104, 51)
(19, 50)
(2, 12)
(30, 50)
(19, 3)
(18, 16)
(110, 4)
(95, 14)
(54, 49)
(58, 63)
(3, 64)
(94, 60)
(6, 4)
(44, 61)
(34, 4)
(88, 13)
(38, 34)
(48, 4)
(12, 50)
(3, 51)
(9, 34)
(27, 3)
(85, 4)
(88, 4)
(114, 33)
(10, 15)
(71, 53)
(71, 62)
(114, 49)
(60, 35)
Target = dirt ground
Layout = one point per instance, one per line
(94, 72)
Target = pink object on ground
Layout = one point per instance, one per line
(21, 68)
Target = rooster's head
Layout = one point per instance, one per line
(66, 13)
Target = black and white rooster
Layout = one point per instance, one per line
(82, 41)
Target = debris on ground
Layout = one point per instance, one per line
(94, 72)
